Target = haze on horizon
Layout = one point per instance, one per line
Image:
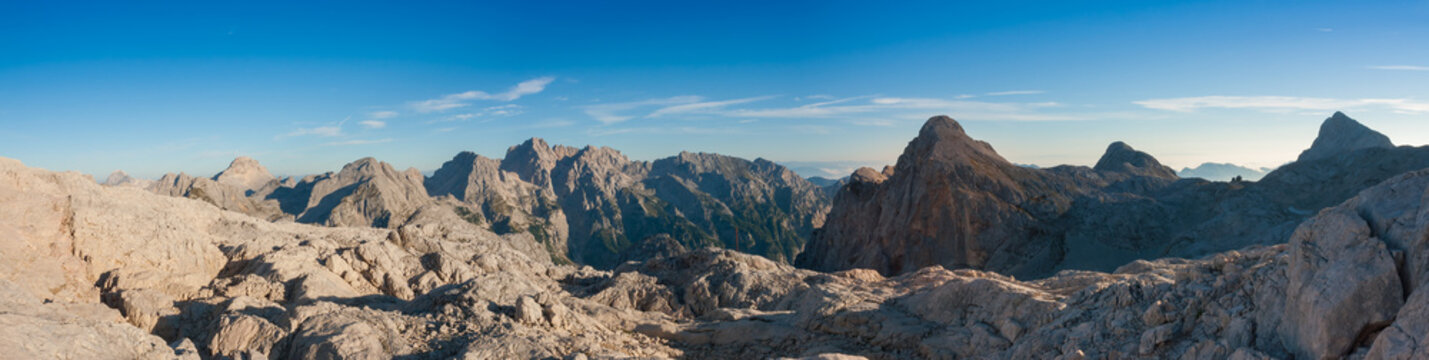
(305, 88)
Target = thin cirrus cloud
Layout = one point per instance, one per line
(357, 142)
(1281, 103)
(611, 113)
(373, 124)
(967, 109)
(857, 110)
(1015, 92)
(703, 106)
(464, 99)
(490, 111)
(1401, 67)
(385, 114)
(322, 131)
(689, 130)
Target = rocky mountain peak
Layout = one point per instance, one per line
(365, 166)
(943, 139)
(1120, 157)
(245, 173)
(942, 127)
(867, 175)
(117, 177)
(1339, 133)
(533, 160)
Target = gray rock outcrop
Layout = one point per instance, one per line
(1120, 157)
(1341, 134)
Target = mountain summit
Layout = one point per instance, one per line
(1120, 157)
(245, 173)
(942, 138)
(1339, 134)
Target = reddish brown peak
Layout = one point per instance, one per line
(867, 175)
(943, 139)
(942, 126)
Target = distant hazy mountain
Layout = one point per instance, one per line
(822, 181)
(1223, 172)
(828, 169)
(831, 186)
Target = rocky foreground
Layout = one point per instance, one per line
(114, 272)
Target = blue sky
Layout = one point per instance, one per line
(823, 85)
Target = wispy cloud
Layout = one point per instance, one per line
(327, 131)
(464, 99)
(868, 110)
(501, 110)
(811, 129)
(871, 122)
(703, 106)
(323, 131)
(553, 123)
(602, 131)
(1281, 103)
(357, 142)
(1015, 92)
(1400, 67)
(373, 124)
(611, 113)
(385, 114)
(964, 109)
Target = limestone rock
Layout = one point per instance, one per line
(223, 195)
(365, 192)
(245, 173)
(245, 336)
(33, 329)
(1343, 282)
(147, 309)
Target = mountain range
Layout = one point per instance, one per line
(1223, 172)
(577, 253)
(952, 201)
(591, 206)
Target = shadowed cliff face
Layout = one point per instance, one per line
(952, 201)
